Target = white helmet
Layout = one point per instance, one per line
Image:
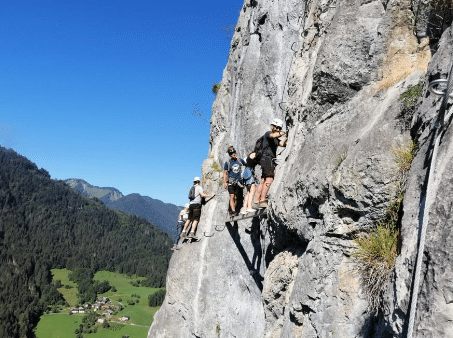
(277, 123)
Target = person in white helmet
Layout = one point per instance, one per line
(270, 144)
(195, 195)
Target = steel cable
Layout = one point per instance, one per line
(428, 201)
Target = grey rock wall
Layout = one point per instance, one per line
(434, 310)
(334, 72)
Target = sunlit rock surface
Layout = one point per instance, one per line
(334, 72)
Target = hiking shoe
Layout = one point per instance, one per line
(191, 235)
(250, 210)
(263, 205)
(243, 211)
(183, 234)
(255, 206)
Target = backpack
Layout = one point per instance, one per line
(246, 174)
(192, 193)
(258, 150)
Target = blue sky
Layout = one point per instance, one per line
(104, 90)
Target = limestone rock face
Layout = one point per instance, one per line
(335, 72)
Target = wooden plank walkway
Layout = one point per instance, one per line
(240, 217)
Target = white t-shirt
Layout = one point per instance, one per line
(184, 215)
(197, 199)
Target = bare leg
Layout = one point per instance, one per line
(265, 189)
(260, 188)
(232, 203)
(186, 226)
(247, 197)
(250, 195)
(194, 227)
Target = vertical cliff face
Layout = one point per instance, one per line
(335, 73)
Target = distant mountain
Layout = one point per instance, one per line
(106, 194)
(163, 215)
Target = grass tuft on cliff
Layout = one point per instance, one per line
(377, 249)
(404, 155)
(376, 254)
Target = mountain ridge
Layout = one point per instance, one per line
(163, 215)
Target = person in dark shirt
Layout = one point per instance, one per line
(232, 178)
(270, 145)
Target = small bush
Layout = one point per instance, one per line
(216, 167)
(411, 95)
(216, 88)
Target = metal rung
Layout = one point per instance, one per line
(283, 106)
(220, 227)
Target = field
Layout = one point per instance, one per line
(140, 313)
(68, 294)
(63, 324)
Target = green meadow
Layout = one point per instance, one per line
(58, 325)
(68, 294)
(141, 315)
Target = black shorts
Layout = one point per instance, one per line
(267, 167)
(194, 212)
(234, 189)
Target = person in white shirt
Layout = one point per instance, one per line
(195, 208)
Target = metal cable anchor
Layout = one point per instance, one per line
(439, 87)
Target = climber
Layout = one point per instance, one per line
(182, 218)
(250, 181)
(195, 195)
(232, 178)
(267, 161)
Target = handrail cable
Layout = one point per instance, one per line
(428, 200)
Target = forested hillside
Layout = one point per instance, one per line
(45, 224)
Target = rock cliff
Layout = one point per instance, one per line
(337, 73)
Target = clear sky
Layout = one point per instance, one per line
(105, 90)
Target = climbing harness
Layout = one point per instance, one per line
(442, 87)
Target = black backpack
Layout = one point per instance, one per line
(258, 150)
(192, 193)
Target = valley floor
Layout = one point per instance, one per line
(64, 323)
